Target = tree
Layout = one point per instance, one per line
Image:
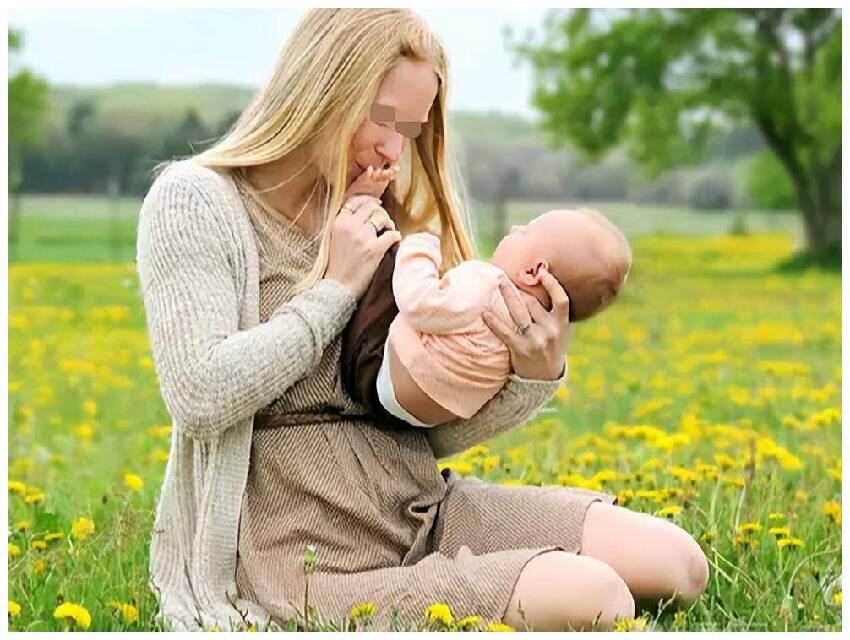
(27, 110)
(663, 81)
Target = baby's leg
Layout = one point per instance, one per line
(408, 394)
(656, 558)
(561, 591)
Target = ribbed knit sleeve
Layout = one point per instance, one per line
(517, 402)
(211, 374)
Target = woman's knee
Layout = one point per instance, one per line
(559, 591)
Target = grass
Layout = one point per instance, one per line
(709, 392)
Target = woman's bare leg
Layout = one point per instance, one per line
(655, 557)
(560, 591)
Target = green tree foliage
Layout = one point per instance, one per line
(665, 80)
(767, 182)
(27, 110)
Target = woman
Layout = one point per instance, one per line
(252, 257)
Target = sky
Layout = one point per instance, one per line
(240, 46)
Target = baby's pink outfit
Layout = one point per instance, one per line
(438, 333)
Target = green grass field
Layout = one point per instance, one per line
(709, 394)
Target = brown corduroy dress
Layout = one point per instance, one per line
(388, 526)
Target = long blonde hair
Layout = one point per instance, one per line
(322, 88)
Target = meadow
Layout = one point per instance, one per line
(708, 394)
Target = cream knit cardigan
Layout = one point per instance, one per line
(217, 365)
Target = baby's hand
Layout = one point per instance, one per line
(372, 182)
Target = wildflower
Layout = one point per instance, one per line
(779, 532)
(833, 510)
(462, 467)
(800, 495)
(836, 598)
(745, 541)
(749, 527)
(14, 550)
(16, 486)
(708, 536)
(439, 612)
(39, 545)
(39, 566)
(362, 610)
(73, 613)
(50, 537)
(669, 511)
(129, 614)
(498, 626)
(725, 461)
(310, 558)
(776, 516)
(33, 496)
(90, 407)
(794, 543)
(15, 608)
(624, 497)
(84, 431)
(468, 623)
(606, 475)
(82, 528)
(22, 525)
(630, 624)
(133, 481)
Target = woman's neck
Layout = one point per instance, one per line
(299, 191)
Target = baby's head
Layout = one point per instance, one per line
(588, 255)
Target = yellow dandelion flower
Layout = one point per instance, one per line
(745, 541)
(362, 610)
(133, 481)
(725, 461)
(90, 407)
(630, 624)
(749, 527)
(562, 393)
(160, 432)
(129, 614)
(38, 545)
(15, 609)
(624, 497)
(669, 511)
(439, 612)
(50, 537)
(73, 613)
(708, 536)
(468, 623)
(35, 496)
(462, 467)
(84, 431)
(776, 516)
(836, 598)
(800, 495)
(14, 550)
(16, 486)
(39, 565)
(498, 626)
(793, 543)
(82, 528)
(779, 532)
(833, 510)
(22, 525)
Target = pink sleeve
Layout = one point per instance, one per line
(431, 304)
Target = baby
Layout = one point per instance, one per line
(439, 360)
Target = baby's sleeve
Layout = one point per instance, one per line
(429, 303)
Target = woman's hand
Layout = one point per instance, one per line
(537, 354)
(356, 249)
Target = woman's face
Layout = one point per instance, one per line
(403, 103)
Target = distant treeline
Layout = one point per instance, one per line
(95, 146)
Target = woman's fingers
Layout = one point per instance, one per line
(516, 307)
(505, 333)
(559, 298)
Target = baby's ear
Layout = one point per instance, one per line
(535, 273)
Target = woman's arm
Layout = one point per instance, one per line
(211, 374)
(517, 402)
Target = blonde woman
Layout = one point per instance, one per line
(252, 257)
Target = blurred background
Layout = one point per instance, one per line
(697, 121)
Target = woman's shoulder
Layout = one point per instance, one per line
(190, 174)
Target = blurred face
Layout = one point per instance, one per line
(396, 116)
